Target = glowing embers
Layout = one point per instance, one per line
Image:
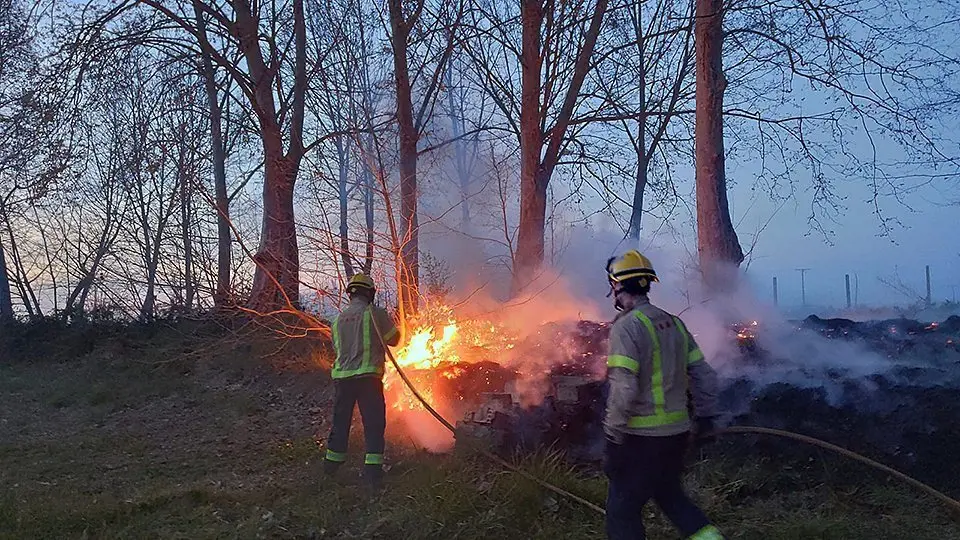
(746, 332)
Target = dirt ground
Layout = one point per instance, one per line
(179, 435)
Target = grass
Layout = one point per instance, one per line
(147, 442)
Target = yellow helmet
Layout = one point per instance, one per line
(360, 281)
(631, 264)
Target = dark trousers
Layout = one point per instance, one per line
(367, 392)
(644, 468)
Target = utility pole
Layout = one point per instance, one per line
(803, 285)
(847, 279)
(776, 292)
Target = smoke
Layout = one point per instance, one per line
(573, 287)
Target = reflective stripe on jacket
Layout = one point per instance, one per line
(359, 351)
(653, 361)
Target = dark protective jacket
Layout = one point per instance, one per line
(653, 361)
(359, 351)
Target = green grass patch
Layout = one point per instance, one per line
(108, 447)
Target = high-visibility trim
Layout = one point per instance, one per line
(391, 334)
(373, 459)
(366, 364)
(656, 378)
(336, 457)
(657, 420)
(707, 533)
(335, 331)
(692, 356)
(618, 360)
(660, 416)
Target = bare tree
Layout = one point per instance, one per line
(405, 22)
(554, 57)
(647, 88)
(32, 156)
(217, 145)
(716, 239)
(271, 40)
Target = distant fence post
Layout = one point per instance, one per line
(847, 279)
(776, 294)
(929, 299)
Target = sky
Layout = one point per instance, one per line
(856, 247)
(855, 244)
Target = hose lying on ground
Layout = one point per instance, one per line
(951, 503)
(946, 499)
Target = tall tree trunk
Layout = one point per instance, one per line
(408, 271)
(640, 186)
(343, 156)
(535, 172)
(533, 189)
(224, 234)
(276, 282)
(186, 217)
(460, 158)
(368, 210)
(718, 246)
(150, 299)
(6, 300)
(22, 280)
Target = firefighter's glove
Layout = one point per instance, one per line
(704, 429)
(612, 454)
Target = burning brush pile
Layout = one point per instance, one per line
(462, 364)
(890, 389)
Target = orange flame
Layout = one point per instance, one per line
(435, 348)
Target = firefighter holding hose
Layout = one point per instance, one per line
(358, 377)
(653, 363)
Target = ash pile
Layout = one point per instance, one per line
(887, 389)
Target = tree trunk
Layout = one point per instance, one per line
(277, 278)
(75, 301)
(224, 234)
(6, 300)
(533, 190)
(636, 211)
(21, 277)
(718, 246)
(460, 158)
(186, 217)
(276, 282)
(535, 172)
(368, 210)
(343, 156)
(149, 300)
(408, 261)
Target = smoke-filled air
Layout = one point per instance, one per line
(480, 269)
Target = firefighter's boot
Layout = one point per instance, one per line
(330, 468)
(373, 477)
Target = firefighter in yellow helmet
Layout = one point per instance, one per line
(358, 377)
(653, 362)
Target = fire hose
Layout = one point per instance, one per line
(951, 503)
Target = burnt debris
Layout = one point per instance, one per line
(903, 411)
